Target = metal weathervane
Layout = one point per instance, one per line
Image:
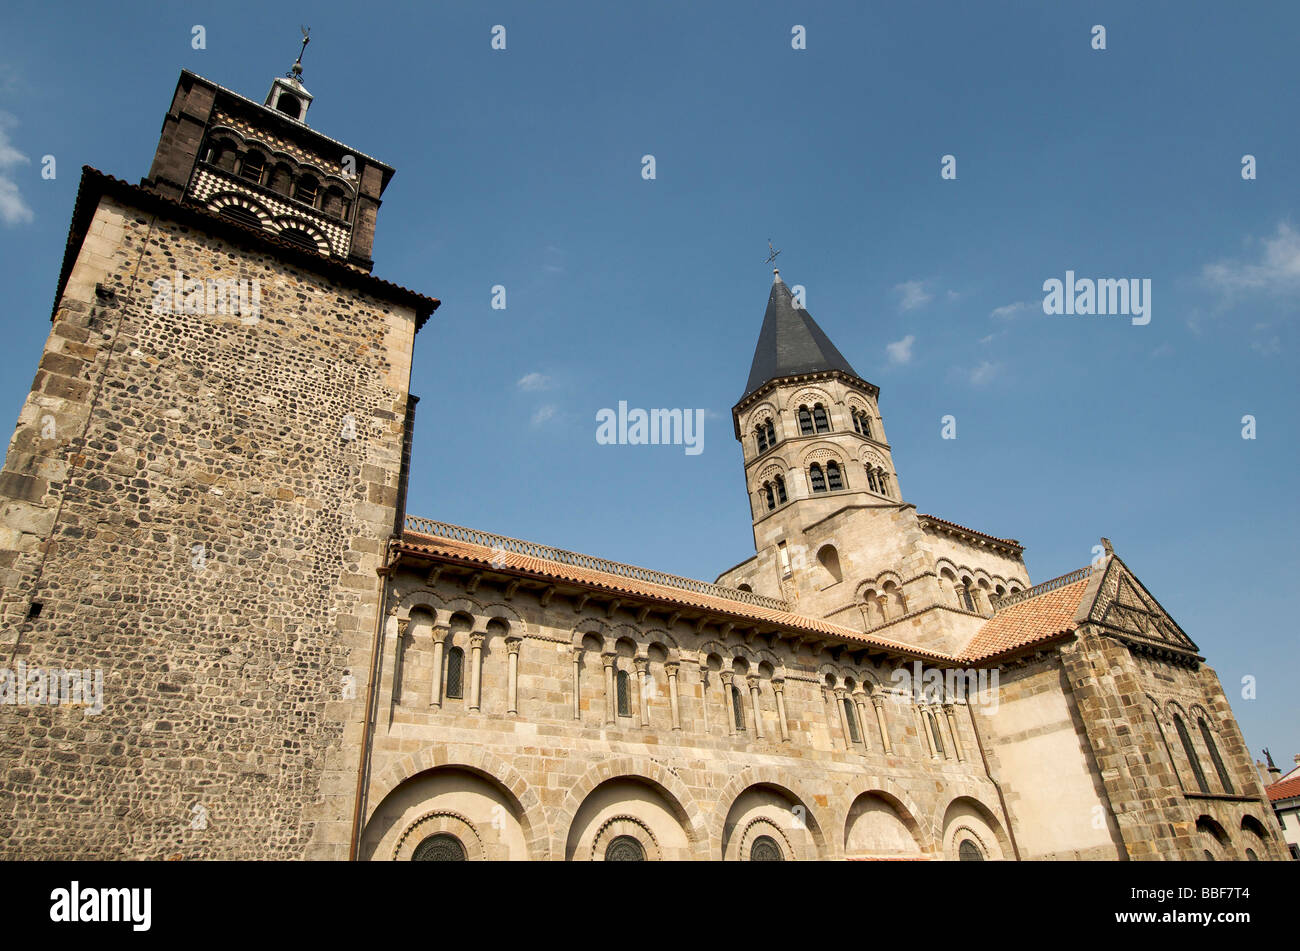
(296, 71)
(771, 253)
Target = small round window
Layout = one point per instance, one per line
(624, 848)
(968, 851)
(765, 849)
(443, 847)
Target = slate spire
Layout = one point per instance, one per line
(790, 342)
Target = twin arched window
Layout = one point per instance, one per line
(1208, 737)
(814, 420)
(774, 492)
(878, 480)
(861, 422)
(765, 434)
(831, 479)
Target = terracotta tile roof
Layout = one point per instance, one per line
(943, 521)
(1286, 789)
(469, 553)
(1031, 621)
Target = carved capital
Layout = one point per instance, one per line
(610, 658)
(671, 668)
(778, 685)
(512, 644)
(403, 625)
(476, 640)
(753, 680)
(642, 664)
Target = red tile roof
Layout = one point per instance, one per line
(1032, 621)
(970, 531)
(1286, 789)
(470, 553)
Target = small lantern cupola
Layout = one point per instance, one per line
(288, 95)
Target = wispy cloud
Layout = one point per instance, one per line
(986, 372)
(1276, 271)
(1007, 311)
(912, 294)
(13, 209)
(543, 414)
(900, 351)
(532, 382)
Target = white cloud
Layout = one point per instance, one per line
(1007, 311)
(912, 294)
(533, 382)
(543, 414)
(900, 351)
(986, 372)
(1276, 271)
(13, 210)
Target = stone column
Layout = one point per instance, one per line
(878, 702)
(860, 703)
(840, 694)
(475, 670)
(671, 670)
(577, 671)
(439, 647)
(399, 657)
(609, 658)
(755, 701)
(512, 675)
(952, 728)
(778, 688)
(704, 696)
(642, 666)
(729, 705)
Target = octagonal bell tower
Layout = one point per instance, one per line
(825, 498)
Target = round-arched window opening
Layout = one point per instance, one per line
(1251, 856)
(1209, 856)
(624, 848)
(968, 851)
(443, 847)
(299, 237)
(289, 105)
(242, 215)
(765, 849)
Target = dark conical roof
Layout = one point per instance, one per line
(790, 342)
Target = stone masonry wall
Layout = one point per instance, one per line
(198, 503)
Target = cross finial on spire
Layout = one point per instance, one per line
(771, 253)
(296, 71)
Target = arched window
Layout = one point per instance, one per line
(222, 153)
(765, 849)
(884, 483)
(738, 707)
(967, 597)
(805, 422)
(866, 426)
(829, 559)
(936, 733)
(456, 674)
(289, 105)
(1192, 758)
(280, 179)
(624, 694)
(968, 851)
(1251, 856)
(771, 433)
(443, 847)
(334, 203)
(1208, 737)
(305, 189)
(760, 435)
(833, 479)
(819, 418)
(252, 166)
(871, 479)
(624, 848)
(780, 490)
(242, 215)
(851, 720)
(816, 477)
(299, 237)
(767, 493)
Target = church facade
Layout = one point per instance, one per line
(203, 505)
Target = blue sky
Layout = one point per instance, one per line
(522, 168)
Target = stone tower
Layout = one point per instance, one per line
(196, 502)
(815, 452)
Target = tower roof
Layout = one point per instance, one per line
(790, 342)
